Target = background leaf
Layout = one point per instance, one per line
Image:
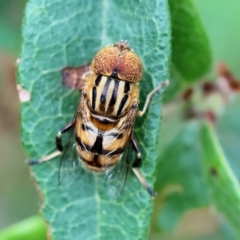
(228, 133)
(59, 34)
(192, 203)
(31, 228)
(222, 183)
(191, 53)
(180, 178)
(220, 20)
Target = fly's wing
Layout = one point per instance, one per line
(116, 176)
(70, 166)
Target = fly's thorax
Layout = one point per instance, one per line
(109, 96)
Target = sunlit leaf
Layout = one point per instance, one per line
(69, 33)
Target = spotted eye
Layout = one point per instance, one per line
(118, 61)
(130, 67)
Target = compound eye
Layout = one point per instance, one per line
(118, 63)
(130, 67)
(105, 61)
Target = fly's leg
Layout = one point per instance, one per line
(58, 145)
(136, 165)
(138, 160)
(43, 159)
(59, 135)
(149, 96)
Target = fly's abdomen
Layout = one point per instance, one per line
(99, 149)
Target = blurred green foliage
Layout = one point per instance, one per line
(220, 19)
(28, 229)
(198, 170)
(10, 25)
(18, 196)
(191, 53)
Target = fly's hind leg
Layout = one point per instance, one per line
(138, 160)
(58, 145)
(149, 96)
(136, 165)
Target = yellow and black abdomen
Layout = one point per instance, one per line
(98, 149)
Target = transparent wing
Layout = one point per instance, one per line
(70, 166)
(116, 176)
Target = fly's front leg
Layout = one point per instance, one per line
(149, 96)
(58, 145)
(137, 163)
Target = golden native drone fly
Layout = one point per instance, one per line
(103, 123)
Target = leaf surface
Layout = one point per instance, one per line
(62, 33)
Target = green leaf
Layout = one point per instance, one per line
(58, 34)
(180, 181)
(222, 28)
(28, 229)
(222, 183)
(191, 52)
(228, 133)
(10, 31)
